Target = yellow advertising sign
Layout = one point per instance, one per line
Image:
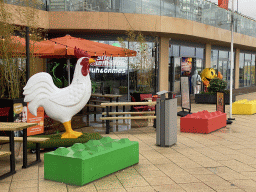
(17, 108)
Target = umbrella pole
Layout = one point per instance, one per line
(27, 54)
(68, 62)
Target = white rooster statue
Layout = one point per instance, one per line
(61, 104)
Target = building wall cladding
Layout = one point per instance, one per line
(154, 25)
(176, 28)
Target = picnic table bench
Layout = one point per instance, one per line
(140, 114)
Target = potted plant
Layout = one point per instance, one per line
(13, 58)
(123, 90)
(209, 97)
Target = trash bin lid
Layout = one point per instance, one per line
(162, 92)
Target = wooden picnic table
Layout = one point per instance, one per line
(111, 97)
(11, 127)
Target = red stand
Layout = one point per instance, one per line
(203, 122)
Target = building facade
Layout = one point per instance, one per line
(176, 31)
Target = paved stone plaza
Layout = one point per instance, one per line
(224, 160)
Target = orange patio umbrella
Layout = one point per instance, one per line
(37, 48)
(64, 47)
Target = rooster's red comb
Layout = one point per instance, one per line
(80, 53)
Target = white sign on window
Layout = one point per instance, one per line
(105, 64)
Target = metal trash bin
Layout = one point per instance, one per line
(166, 119)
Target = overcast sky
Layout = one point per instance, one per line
(246, 7)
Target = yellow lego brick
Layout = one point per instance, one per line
(244, 107)
(241, 101)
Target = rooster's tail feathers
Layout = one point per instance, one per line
(39, 85)
(40, 79)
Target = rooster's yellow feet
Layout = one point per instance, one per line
(69, 131)
(72, 134)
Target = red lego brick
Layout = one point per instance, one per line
(203, 122)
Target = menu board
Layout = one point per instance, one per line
(185, 100)
(220, 104)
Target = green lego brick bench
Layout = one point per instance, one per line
(244, 107)
(86, 162)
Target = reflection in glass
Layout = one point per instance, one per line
(177, 68)
(177, 75)
(223, 55)
(220, 68)
(253, 70)
(131, 6)
(245, 74)
(176, 50)
(151, 7)
(248, 56)
(249, 74)
(200, 53)
(224, 69)
(168, 8)
(187, 51)
(199, 65)
(214, 59)
(241, 70)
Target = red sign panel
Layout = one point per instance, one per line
(223, 4)
(39, 119)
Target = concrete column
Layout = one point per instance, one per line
(236, 67)
(208, 50)
(163, 64)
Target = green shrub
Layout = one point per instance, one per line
(216, 85)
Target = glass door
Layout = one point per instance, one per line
(176, 70)
(224, 68)
(247, 73)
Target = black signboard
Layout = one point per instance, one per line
(185, 97)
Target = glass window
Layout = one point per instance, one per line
(199, 65)
(200, 53)
(223, 54)
(177, 75)
(177, 68)
(130, 6)
(249, 74)
(224, 71)
(245, 73)
(168, 8)
(175, 50)
(253, 70)
(187, 51)
(248, 56)
(220, 67)
(142, 68)
(241, 70)
(151, 7)
(214, 59)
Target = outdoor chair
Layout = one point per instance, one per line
(4, 112)
(143, 97)
(139, 108)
